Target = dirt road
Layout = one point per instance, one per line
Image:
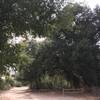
(22, 93)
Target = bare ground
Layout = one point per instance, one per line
(22, 93)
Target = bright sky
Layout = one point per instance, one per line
(91, 3)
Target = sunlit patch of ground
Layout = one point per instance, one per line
(22, 93)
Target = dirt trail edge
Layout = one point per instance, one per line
(22, 93)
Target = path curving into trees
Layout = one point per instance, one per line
(22, 93)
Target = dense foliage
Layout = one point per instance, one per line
(19, 17)
(70, 54)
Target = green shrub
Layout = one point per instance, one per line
(9, 81)
(4, 85)
(18, 84)
(50, 82)
(46, 81)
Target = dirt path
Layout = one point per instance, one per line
(22, 93)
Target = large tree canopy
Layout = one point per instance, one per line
(71, 47)
(72, 50)
(19, 17)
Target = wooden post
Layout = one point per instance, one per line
(63, 91)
